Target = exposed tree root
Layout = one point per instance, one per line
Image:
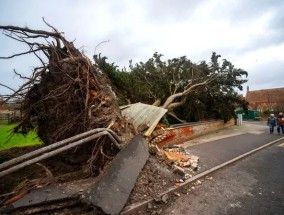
(66, 95)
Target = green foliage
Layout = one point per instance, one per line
(158, 79)
(218, 99)
(121, 81)
(165, 121)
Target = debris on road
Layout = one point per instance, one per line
(178, 158)
(178, 170)
(198, 182)
(165, 198)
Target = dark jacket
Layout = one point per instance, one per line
(271, 121)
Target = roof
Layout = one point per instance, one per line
(275, 95)
(140, 114)
(3, 111)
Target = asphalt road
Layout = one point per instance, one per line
(217, 152)
(254, 185)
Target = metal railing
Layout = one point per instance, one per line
(56, 148)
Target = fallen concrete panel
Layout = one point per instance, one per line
(143, 115)
(111, 193)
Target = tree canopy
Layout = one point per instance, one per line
(190, 91)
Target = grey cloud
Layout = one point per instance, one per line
(120, 49)
(91, 22)
(261, 41)
(268, 75)
(164, 11)
(242, 10)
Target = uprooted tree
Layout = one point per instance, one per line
(67, 94)
(188, 90)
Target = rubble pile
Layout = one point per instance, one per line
(175, 156)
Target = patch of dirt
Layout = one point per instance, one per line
(154, 179)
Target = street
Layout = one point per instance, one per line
(254, 185)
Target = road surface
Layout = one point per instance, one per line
(254, 185)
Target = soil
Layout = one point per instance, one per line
(155, 178)
(64, 168)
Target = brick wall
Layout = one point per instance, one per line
(184, 133)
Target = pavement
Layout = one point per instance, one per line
(221, 146)
(253, 185)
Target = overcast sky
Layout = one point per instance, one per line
(250, 34)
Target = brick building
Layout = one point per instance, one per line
(267, 99)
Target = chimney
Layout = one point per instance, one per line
(247, 88)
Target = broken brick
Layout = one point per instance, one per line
(174, 157)
(178, 170)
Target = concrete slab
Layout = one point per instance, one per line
(111, 193)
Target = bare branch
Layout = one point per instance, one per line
(39, 32)
(24, 85)
(106, 41)
(19, 54)
(18, 74)
(7, 87)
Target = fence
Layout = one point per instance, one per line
(10, 117)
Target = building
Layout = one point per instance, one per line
(266, 100)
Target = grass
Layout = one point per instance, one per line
(16, 140)
(3, 122)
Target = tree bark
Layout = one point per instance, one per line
(171, 98)
(157, 102)
(176, 117)
(175, 105)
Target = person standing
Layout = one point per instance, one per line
(280, 123)
(271, 122)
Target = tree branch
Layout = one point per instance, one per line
(7, 87)
(39, 32)
(19, 54)
(171, 98)
(24, 85)
(18, 74)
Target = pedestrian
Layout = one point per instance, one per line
(271, 122)
(280, 123)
